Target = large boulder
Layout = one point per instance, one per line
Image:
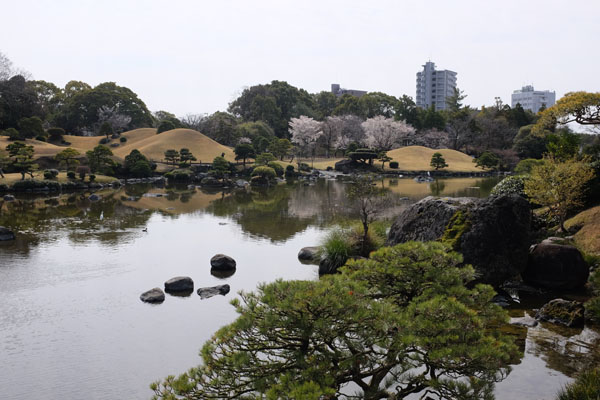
(179, 284)
(493, 234)
(6, 234)
(426, 220)
(562, 312)
(155, 295)
(208, 292)
(555, 266)
(222, 262)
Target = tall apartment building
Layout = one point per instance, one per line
(433, 86)
(338, 91)
(531, 99)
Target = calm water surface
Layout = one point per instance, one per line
(71, 322)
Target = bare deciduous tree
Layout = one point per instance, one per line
(194, 121)
(118, 122)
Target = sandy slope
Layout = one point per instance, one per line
(417, 158)
(145, 140)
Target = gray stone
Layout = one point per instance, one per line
(222, 262)
(562, 312)
(9, 197)
(526, 321)
(155, 295)
(94, 197)
(309, 254)
(555, 266)
(179, 284)
(495, 239)
(208, 292)
(6, 234)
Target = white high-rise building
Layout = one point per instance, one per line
(531, 99)
(433, 87)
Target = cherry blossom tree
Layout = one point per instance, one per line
(432, 138)
(305, 132)
(385, 133)
(332, 129)
(352, 132)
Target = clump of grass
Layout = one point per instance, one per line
(585, 387)
(335, 249)
(345, 242)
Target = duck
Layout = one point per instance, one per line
(145, 230)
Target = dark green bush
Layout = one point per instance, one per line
(104, 141)
(304, 167)
(122, 139)
(56, 134)
(277, 167)
(264, 172)
(3, 187)
(393, 164)
(92, 177)
(13, 134)
(180, 175)
(50, 174)
(71, 174)
(165, 125)
(41, 138)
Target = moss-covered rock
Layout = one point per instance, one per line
(562, 312)
(493, 234)
(457, 226)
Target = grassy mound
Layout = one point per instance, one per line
(154, 147)
(145, 140)
(587, 224)
(417, 158)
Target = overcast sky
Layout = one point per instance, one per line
(193, 56)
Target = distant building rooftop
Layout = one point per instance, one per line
(339, 91)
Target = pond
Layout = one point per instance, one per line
(71, 322)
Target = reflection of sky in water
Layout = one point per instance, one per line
(72, 325)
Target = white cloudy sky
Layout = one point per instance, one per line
(196, 56)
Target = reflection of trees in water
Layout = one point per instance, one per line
(437, 187)
(262, 212)
(41, 219)
(566, 350)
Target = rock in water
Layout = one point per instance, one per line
(6, 234)
(555, 266)
(94, 197)
(526, 321)
(222, 262)
(308, 254)
(179, 284)
(208, 292)
(562, 312)
(492, 234)
(155, 295)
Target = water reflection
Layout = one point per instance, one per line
(276, 213)
(73, 277)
